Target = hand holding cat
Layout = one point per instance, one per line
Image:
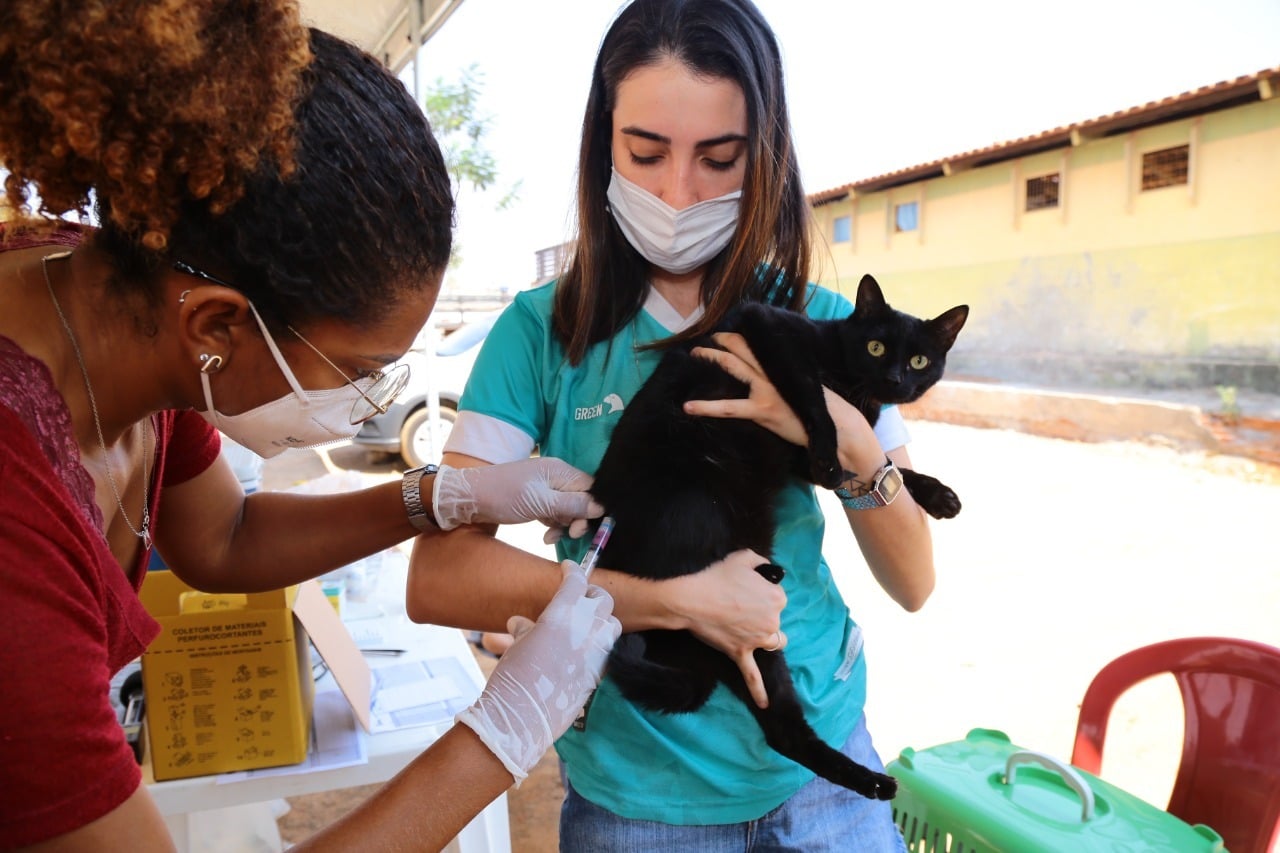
(730, 607)
(764, 404)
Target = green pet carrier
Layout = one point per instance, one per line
(985, 795)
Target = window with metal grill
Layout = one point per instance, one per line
(1166, 167)
(1042, 192)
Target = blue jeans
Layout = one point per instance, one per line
(819, 817)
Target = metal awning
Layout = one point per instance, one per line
(382, 27)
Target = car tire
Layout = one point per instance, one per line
(414, 437)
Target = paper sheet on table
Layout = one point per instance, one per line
(336, 741)
(419, 693)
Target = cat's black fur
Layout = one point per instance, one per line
(686, 491)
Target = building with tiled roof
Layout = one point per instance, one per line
(1140, 247)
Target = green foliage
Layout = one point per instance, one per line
(453, 110)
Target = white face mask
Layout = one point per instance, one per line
(677, 241)
(300, 418)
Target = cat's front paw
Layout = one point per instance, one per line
(934, 496)
(942, 504)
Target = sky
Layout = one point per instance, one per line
(872, 86)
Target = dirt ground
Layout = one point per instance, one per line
(1066, 555)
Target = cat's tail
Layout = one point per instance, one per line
(788, 732)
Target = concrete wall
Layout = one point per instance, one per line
(1168, 287)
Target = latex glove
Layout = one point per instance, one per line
(541, 682)
(539, 489)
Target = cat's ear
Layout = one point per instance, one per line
(870, 298)
(947, 325)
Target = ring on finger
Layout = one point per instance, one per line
(777, 642)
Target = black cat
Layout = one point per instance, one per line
(686, 491)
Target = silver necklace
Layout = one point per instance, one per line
(145, 532)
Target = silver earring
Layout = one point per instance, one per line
(210, 363)
(182, 297)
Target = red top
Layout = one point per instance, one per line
(69, 617)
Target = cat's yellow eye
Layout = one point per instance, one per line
(919, 362)
(876, 348)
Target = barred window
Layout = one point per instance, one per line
(1042, 192)
(1166, 167)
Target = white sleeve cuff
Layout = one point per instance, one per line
(891, 429)
(488, 438)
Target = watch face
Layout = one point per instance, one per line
(890, 484)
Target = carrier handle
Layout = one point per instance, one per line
(1069, 774)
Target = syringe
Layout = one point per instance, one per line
(597, 545)
(588, 563)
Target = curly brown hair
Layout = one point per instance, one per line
(149, 103)
(223, 134)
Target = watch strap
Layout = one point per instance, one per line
(419, 511)
(870, 500)
(875, 495)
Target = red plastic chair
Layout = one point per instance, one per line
(1229, 776)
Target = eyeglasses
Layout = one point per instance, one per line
(380, 388)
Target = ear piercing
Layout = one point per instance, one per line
(210, 363)
(182, 297)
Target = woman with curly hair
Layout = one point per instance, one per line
(275, 218)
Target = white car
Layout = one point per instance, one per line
(408, 428)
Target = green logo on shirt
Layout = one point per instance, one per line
(587, 413)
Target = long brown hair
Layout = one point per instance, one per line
(605, 282)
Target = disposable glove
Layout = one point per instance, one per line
(541, 682)
(538, 489)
